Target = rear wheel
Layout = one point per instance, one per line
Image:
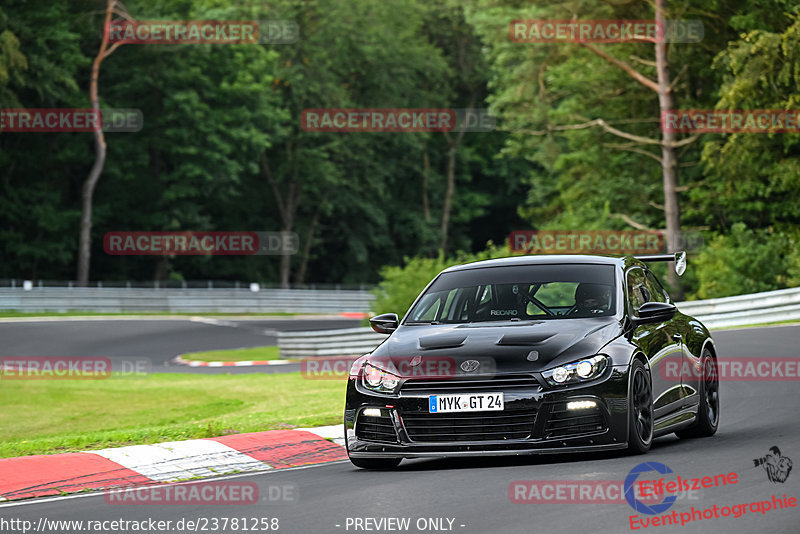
(640, 410)
(708, 410)
(376, 463)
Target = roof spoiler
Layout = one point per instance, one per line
(679, 258)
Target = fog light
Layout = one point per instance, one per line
(560, 375)
(580, 405)
(371, 412)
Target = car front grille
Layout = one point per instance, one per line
(469, 384)
(487, 426)
(563, 423)
(370, 428)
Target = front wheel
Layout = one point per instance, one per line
(708, 410)
(375, 463)
(640, 410)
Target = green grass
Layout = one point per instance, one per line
(235, 355)
(51, 416)
(78, 313)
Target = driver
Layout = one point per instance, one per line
(592, 298)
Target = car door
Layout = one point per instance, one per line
(679, 328)
(658, 343)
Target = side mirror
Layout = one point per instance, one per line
(385, 324)
(655, 312)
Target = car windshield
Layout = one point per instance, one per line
(520, 292)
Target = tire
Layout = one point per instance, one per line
(376, 463)
(708, 410)
(640, 409)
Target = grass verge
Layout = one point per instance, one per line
(234, 355)
(51, 416)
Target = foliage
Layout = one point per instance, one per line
(365, 204)
(400, 285)
(747, 261)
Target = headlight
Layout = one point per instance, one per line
(379, 380)
(577, 372)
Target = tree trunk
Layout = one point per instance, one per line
(448, 196)
(668, 160)
(301, 272)
(87, 191)
(426, 174)
(287, 207)
(161, 270)
(452, 152)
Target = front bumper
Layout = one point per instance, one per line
(535, 420)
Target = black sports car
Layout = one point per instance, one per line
(533, 354)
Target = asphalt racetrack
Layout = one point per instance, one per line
(471, 496)
(155, 341)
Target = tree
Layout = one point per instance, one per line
(755, 178)
(85, 242)
(543, 65)
(38, 215)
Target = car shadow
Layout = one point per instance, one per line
(439, 464)
(663, 443)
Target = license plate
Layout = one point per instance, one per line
(466, 402)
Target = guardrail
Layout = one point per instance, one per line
(107, 299)
(343, 342)
(757, 308)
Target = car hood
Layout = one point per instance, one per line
(499, 346)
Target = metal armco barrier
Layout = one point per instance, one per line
(110, 299)
(343, 342)
(758, 308)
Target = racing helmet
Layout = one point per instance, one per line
(587, 292)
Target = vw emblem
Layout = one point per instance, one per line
(470, 365)
(415, 360)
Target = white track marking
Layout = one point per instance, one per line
(176, 460)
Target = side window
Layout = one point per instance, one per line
(656, 289)
(638, 293)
